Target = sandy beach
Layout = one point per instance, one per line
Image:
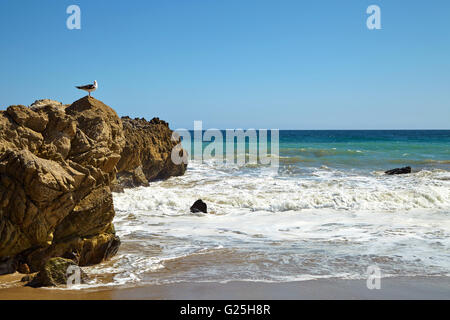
(327, 289)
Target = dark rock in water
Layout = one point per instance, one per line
(199, 206)
(55, 272)
(404, 170)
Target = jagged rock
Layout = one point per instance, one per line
(199, 206)
(404, 170)
(147, 153)
(99, 140)
(28, 118)
(37, 194)
(83, 251)
(58, 164)
(46, 102)
(131, 179)
(55, 272)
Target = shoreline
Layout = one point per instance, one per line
(409, 288)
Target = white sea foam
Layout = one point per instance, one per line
(263, 226)
(232, 190)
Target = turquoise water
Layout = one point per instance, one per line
(363, 151)
(366, 150)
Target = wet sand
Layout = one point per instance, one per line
(327, 289)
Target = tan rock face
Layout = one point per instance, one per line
(147, 153)
(55, 273)
(56, 166)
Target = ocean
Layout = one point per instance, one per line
(328, 211)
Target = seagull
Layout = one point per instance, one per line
(89, 88)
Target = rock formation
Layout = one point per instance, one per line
(404, 170)
(54, 273)
(57, 166)
(147, 153)
(199, 206)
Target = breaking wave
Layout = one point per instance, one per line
(302, 224)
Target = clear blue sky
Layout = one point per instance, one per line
(236, 63)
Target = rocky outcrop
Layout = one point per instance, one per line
(404, 170)
(147, 153)
(58, 164)
(56, 272)
(199, 206)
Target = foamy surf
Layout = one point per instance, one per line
(319, 223)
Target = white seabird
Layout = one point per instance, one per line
(89, 88)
